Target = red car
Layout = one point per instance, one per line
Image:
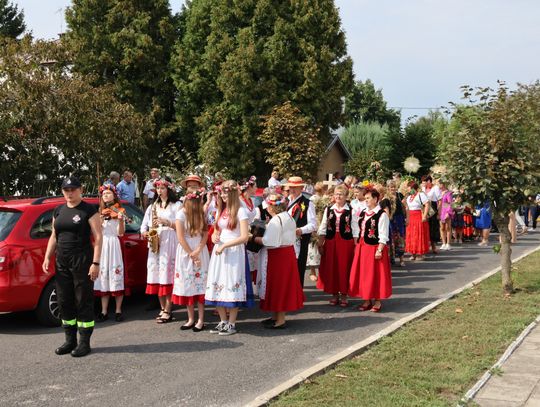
(25, 227)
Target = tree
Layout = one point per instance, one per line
(11, 20)
(418, 139)
(365, 103)
(367, 142)
(128, 44)
(492, 153)
(239, 59)
(291, 145)
(54, 123)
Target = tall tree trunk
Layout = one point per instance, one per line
(505, 253)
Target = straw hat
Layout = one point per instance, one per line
(295, 182)
(191, 177)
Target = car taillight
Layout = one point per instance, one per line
(9, 256)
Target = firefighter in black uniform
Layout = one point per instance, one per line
(302, 211)
(77, 266)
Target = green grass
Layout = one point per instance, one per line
(433, 360)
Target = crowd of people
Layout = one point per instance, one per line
(214, 247)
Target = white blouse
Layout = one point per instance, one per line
(168, 213)
(324, 221)
(383, 226)
(417, 202)
(278, 234)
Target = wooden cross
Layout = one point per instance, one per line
(330, 183)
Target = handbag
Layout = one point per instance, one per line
(257, 229)
(431, 211)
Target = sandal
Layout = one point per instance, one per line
(365, 306)
(313, 277)
(343, 303)
(165, 319)
(160, 314)
(333, 301)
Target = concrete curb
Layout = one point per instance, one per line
(507, 353)
(361, 346)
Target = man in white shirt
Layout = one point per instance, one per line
(274, 181)
(302, 211)
(149, 191)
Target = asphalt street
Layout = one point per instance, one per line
(138, 362)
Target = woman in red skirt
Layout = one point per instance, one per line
(371, 278)
(279, 288)
(337, 237)
(417, 241)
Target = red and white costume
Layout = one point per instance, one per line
(278, 284)
(189, 278)
(339, 229)
(111, 269)
(417, 240)
(371, 278)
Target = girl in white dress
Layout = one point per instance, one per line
(229, 285)
(161, 215)
(111, 270)
(192, 258)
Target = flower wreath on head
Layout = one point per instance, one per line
(249, 183)
(275, 202)
(163, 182)
(198, 194)
(221, 188)
(107, 187)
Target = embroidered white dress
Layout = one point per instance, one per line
(189, 278)
(111, 268)
(226, 284)
(161, 265)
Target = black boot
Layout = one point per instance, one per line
(71, 340)
(83, 348)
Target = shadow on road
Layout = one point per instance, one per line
(169, 347)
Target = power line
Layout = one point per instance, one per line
(417, 108)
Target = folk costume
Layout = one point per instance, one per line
(302, 211)
(370, 277)
(229, 283)
(160, 265)
(314, 256)
(339, 229)
(397, 228)
(434, 195)
(251, 211)
(417, 236)
(189, 277)
(111, 269)
(278, 284)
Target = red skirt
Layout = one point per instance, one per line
(160, 290)
(283, 290)
(417, 234)
(209, 243)
(335, 265)
(370, 278)
(180, 300)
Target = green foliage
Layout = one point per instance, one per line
(128, 44)
(491, 147)
(364, 103)
(367, 142)
(239, 59)
(418, 139)
(291, 145)
(11, 20)
(54, 123)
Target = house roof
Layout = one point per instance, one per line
(336, 140)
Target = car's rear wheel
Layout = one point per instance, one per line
(47, 311)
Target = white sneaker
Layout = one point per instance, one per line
(229, 329)
(443, 247)
(219, 328)
(448, 247)
(530, 229)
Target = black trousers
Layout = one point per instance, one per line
(302, 256)
(74, 288)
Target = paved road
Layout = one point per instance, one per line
(138, 362)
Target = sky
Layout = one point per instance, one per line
(419, 52)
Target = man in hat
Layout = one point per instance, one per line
(302, 211)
